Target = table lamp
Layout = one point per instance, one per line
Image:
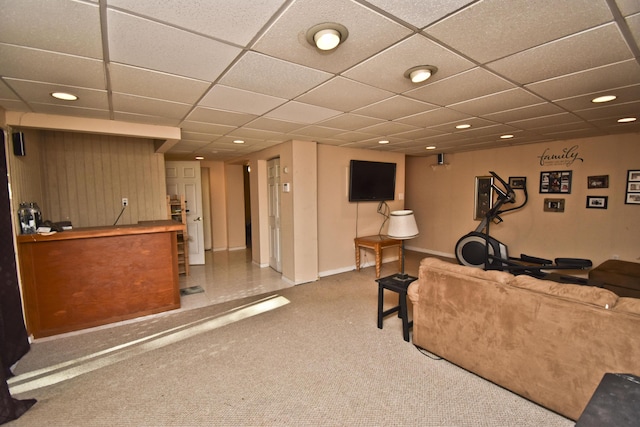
(402, 226)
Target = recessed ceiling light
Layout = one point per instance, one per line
(431, 147)
(64, 96)
(420, 73)
(463, 126)
(199, 158)
(384, 141)
(605, 98)
(327, 36)
(627, 120)
(506, 136)
(238, 141)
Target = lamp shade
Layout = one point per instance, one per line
(402, 225)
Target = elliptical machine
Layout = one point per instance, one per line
(479, 249)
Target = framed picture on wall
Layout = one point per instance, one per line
(598, 181)
(555, 182)
(518, 182)
(597, 202)
(633, 187)
(483, 196)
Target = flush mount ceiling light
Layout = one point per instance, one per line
(431, 147)
(464, 126)
(238, 141)
(64, 96)
(605, 98)
(627, 120)
(420, 73)
(383, 141)
(508, 136)
(327, 36)
(199, 158)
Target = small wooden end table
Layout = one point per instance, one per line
(377, 243)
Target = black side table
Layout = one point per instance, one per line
(399, 285)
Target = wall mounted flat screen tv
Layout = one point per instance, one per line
(371, 181)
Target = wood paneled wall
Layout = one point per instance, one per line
(85, 176)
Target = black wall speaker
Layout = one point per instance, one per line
(18, 144)
(441, 158)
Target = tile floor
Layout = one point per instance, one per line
(231, 275)
(228, 276)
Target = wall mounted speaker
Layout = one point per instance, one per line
(441, 158)
(18, 144)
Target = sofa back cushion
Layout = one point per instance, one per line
(491, 275)
(628, 305)
(587, 294)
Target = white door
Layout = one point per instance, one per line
(273, 171)
(183, 178)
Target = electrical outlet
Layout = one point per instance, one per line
(125, 202)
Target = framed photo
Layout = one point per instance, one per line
(518, 182)
(483, 196)
(554, 205)
(555, 182)
(598, 181)
(633, 187)
(597, 202)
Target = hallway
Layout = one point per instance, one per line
(227, 276)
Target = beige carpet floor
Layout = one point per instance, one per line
(307, 355)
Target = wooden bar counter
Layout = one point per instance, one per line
(89, 277)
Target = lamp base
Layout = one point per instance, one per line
(403, 277)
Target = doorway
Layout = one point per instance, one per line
(184, 178)
(273, 182)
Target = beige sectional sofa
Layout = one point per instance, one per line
(549, 342)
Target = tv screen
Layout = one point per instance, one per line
(371, 181)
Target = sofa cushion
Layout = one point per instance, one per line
(491, 275)
(587, 294)
(628, 305)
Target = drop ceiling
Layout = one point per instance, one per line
(243, 70)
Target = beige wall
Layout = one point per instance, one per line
(234, 178)
(218, 198)
(443, 200)
(299, 254)
(340, 221)
(83, 177)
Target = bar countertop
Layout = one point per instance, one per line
(143, 227)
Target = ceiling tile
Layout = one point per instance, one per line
(152, 84)
(138, 42)
(589, 49)
(229, 118)
(501, 101)
(349, 121)
(344, 95)
(237, 22)
(386, 70)
(394, 108)
(50, 67)
(523, 113)
(623, 95)
(286, 38)
(494, 29)
(231, 99)
(147, 106)
(208, 128)
(40, 93)
(622, 74)
(301, 113)
(273, 125)
(435, 117)
(469, 84)
(70, 27)
(260, 73)
(414, 12)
